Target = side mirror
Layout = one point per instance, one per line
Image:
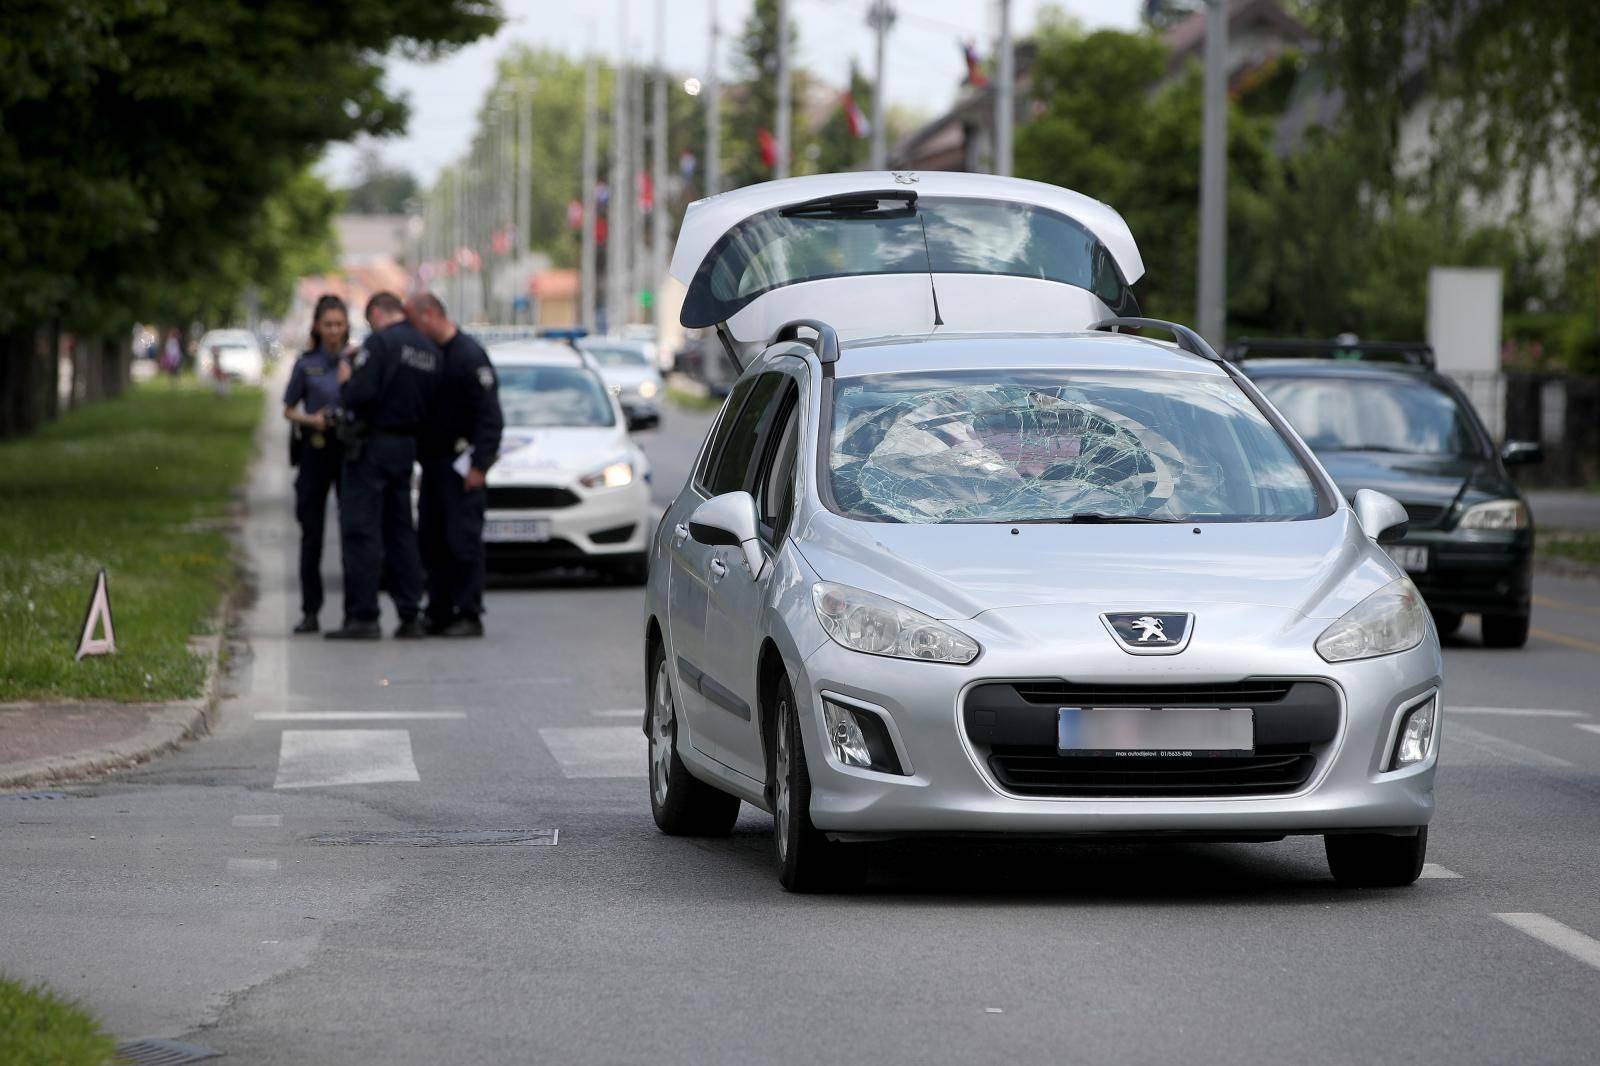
(1382, 517)
(642, 419)
(1519, 452)
(730, 520)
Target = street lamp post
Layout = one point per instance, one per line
(880, 18)
(1211, 299)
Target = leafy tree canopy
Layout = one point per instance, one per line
(379, 189)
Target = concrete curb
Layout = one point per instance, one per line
(169, 726)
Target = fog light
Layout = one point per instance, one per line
(844, 734)
(1416, 734)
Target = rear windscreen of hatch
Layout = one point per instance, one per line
(768, 251)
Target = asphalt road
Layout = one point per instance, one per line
(218, 895)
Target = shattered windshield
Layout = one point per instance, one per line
(1059, 445)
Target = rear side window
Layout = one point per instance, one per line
(728, 465)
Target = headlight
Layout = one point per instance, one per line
(1496, 515)
(613, 476)
(862, 621)
(1390, 620)
(647, 389)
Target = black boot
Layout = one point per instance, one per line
(466, 625)
(308, 624)
(410, 629)
(355, 631)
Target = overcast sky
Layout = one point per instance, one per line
(924, 61)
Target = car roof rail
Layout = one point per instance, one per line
(826, 344)
(1188, 340)
(1414, 353)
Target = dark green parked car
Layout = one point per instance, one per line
(1379, 416)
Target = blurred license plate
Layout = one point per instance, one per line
(1156, 732)
(1412, 557)
(516, 529)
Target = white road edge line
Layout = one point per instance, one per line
(1515, 712)
(1587, 727)
(1564, 938)
(257, 821)
(252, 867)
(355, 716)
(1433, 869)
(1509, 750)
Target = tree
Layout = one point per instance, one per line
(837, 148)
(379, 189)
(143, 140)
(751, 103)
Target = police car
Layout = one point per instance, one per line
(570, 487)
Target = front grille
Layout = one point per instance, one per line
(1013, 727)
(528, 497)
(1425, 515)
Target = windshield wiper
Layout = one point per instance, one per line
(1384, 448)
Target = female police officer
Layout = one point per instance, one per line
(312, 396)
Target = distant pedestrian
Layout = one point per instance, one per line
(389, 392)
(314, 449)
(457, 450)
(172, 354)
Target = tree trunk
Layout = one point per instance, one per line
(22, 406)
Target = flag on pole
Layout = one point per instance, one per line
(647, 192)
(859, 126)
(975, 75)
(769, 147)
(501, 241)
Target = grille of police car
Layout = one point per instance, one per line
(1013, 728)
(527, 497)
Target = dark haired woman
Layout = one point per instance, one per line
(312, 393)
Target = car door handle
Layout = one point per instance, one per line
(719, 569)
(680, 533)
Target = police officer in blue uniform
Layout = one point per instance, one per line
(313, 395)
(466, 434)
(389, 398)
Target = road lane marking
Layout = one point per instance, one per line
(1514, 712)
(597, 750)
(637, 712)
(257, 821)
(1561, 937)
(252, 867)
(355, 716)
(1508, 750)
(1562, 638)
(1433, 869)
(314, 758)
(1563, 605)
(1588, 727)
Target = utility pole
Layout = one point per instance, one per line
(1211, 301)
(880, 18)
(524, 185)
(780, 125)
(1005, 95)
(617, 205)
(658, 179)
(638, 165)
(590, 176)
(713, 91)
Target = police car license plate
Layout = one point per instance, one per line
(1156, 732)
(522, 530)
(1412, 557)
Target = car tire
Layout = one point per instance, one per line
(682, 804)
(1447, 622)
(1505, 630)
(807, 860)
(1376, 860)
(630, 569)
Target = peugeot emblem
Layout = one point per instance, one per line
(905, 177)
(1150, 632)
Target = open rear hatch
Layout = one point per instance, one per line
(886, 253)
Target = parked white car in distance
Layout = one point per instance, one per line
(236, 351)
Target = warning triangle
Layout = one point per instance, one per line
(99, 612)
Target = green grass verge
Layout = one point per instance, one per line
(692, 401)
(1578, 547)
(39, 1028)
(140, 486)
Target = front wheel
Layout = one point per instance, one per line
(681, 803)
(1376, 860)
(807, 860)
(1505, 630)
(1447, 622)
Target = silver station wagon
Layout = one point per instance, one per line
(961, 556)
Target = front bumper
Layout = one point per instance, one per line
(602, 523)
(949, 787)
(1475, 572)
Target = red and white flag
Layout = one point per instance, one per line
(975, 75)
(769, 147)
(859, 126)
(647, 192)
